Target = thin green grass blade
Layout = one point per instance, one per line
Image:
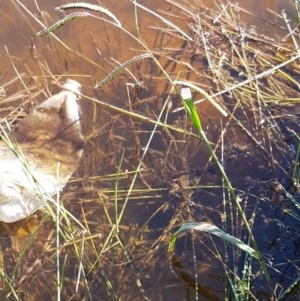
(9, 285)
(212, 229)
(296, 169)
(190, 107)
(203, 93)
(119, 167)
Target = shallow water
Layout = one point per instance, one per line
(178, 182)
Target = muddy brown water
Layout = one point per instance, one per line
(178, 183)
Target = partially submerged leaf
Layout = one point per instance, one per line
(212, 229)
(190, 107)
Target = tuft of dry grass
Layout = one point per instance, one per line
(146, 171)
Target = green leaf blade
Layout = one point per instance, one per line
(190, 108)
(212, 229)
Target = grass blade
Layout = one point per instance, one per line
(212, 229)
(190, 107)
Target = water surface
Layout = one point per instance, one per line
(179, 182)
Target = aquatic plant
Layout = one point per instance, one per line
(131, 196)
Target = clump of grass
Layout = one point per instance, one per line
(248, 82)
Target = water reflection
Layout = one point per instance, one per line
(177, 181)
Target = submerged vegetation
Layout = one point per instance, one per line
(193, 198)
